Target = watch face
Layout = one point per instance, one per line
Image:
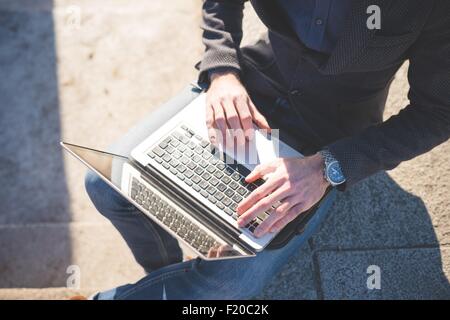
(334, 173)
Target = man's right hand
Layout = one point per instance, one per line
(229, 107)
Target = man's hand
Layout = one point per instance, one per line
(228, 107)
(297, 183)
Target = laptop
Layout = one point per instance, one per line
(190, 187)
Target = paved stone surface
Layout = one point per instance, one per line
(38, 256)
(405, 274)
(295, 281)
(406, 207)
(87, 73)
(42, 294)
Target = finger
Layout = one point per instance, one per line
(259, 171)
(221, 252)
(257, 194)
(276, 215)
(261, 199)
(212, 253)
(232, 119)
(291, 215)
(261, 206)
(245, 117)
(259, 119)
(213, 133)
(209, 116)
(220, 122)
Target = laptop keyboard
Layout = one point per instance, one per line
(191, 159)
(171, 218)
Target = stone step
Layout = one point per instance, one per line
(42, 294)
(39, 255)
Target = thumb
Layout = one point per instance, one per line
(258, 172)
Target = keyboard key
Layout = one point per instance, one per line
(203, 185)
(218, 174)
(170, 149)
(184, 139)
(259, 182)
(206, 155)
(237, 198)
(212, 199)
(228, 171)
(184, 160)
(158, 151)
(176, 154)
(198, 149)
(174, 143)
(191, 165)
(211, 190)
(188, 174)
(220, 166)
(210, 169)
(192, 145)
(226, 180)
(220, 205)
(262, 216)
(226, 201)
(219, 196)
(233, 185)
(165, 165)
(229, 193)
(204, 143)
(174, 163)
(181, 168)
(213, 181)
(242, 191)
(213, 160)
(228, 211)
(221, 187)
(199, 171)
(167, 158)
(196, 179)
(203, 163)
(206, 176)
(236, 176)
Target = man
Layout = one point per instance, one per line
(322, 76)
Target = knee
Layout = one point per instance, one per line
(105, 199)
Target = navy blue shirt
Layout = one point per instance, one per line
(317, 23)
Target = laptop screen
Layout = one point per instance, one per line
(195, 236)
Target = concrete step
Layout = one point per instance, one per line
(42, 294)
(39, 255)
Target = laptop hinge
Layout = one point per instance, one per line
(190, 204)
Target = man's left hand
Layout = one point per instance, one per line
(296, 183)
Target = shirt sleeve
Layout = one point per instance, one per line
(420, 126)
(222, 35)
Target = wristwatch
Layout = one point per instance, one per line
(332, 170)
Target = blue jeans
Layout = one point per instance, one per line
(159, 253)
